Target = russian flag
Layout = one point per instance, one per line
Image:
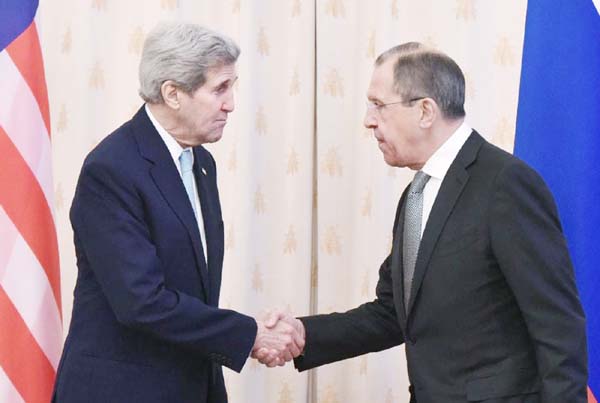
(558, 133)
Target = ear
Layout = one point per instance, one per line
(170, 94)
(429, 112)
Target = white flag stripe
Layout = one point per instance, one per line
(8, 236)
(22, 121)
(7, 390)
(26, 284)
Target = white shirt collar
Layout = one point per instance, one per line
(438, 164)
(172, 145)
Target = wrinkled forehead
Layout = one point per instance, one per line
(222, 69)
(382, 81)
(221, 72)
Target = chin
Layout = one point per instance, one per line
(216, 138)
(388, 160)
(213, 138)
(392, 162)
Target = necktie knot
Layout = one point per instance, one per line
(185, 160)
(419, 182)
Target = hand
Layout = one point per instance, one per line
(275, 321)
(278, 343)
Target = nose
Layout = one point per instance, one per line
(229, 103)
(369, 122)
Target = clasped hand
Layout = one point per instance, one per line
(279, 339)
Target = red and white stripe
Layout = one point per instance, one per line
(30, 304)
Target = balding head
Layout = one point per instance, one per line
(421, 71)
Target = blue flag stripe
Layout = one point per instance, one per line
(17, 15)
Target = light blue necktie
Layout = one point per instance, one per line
(187, 175)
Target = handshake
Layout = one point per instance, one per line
(280, 338)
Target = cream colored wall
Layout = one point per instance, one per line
(308, 202)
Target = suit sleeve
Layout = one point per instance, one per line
(530, 248)
(371, 327)
(108, 220)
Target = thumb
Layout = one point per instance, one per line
(272, 318)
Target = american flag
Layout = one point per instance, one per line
(30, 304)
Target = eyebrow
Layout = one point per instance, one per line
(228, 82)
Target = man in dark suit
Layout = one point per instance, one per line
(146, 326)
(479, 284)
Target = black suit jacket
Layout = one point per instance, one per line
(146, 326)
(494, 313)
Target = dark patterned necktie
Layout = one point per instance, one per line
(412, 231)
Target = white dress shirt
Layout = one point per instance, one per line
(175, 150)
(437, 166)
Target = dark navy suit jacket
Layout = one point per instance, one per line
(146, 326)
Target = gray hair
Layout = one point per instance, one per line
(183, 53)
(420, 71)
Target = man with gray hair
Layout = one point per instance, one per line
(478, 285)
(146, 326)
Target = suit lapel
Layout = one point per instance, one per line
(452, 186)
(167, 180)
(396, 264)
